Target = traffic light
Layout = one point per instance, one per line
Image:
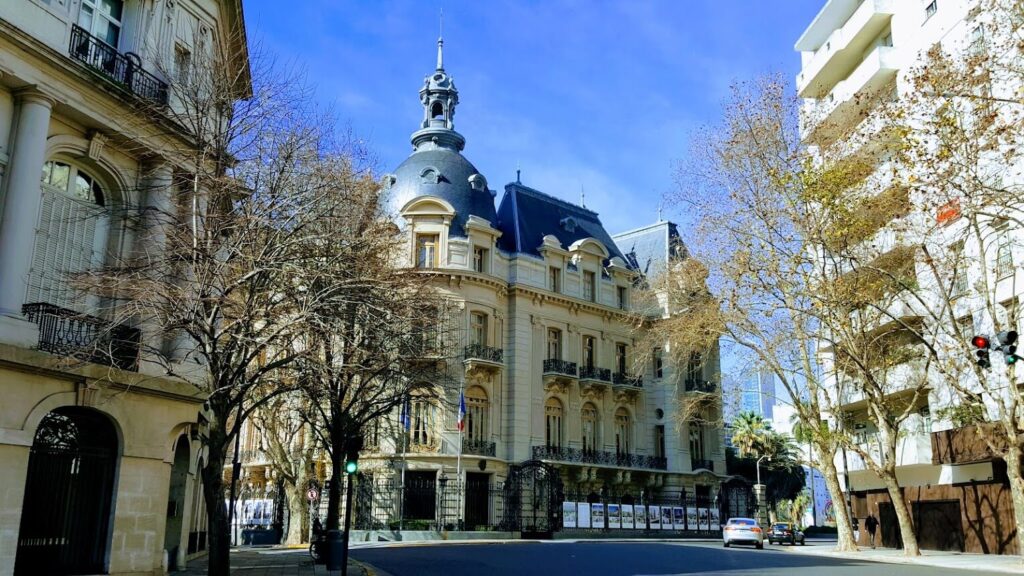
(982, 344)
(353, 445)
(1008, 345)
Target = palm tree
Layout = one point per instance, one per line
(750, 433)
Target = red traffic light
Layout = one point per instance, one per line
(980, 342)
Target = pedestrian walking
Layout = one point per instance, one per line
(871, 523)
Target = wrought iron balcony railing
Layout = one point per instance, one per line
(481, 352)
(125, 69)
(626, 379)
(555, 366)
(595, 373)
(705, 386)
(87, 338)
(696, 464)
(574, 455)
(478, 447)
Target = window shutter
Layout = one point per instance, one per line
(66, 243)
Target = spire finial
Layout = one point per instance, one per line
(518, 167)
(583, 197)
(440, 42)
(659, 211)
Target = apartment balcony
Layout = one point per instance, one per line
(699, 464)
(840, 52)
(84, 337)
(914, 448)
(483, 360)
(959, 446)
(825, 119)
(626, 386)
(478, 448)
(594, 381)
(123, 69)
(701, 386)
(598, 457)
(558, 374)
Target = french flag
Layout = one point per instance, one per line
(462, 411)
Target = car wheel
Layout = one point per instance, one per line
(725, 544)
(760, 545)
(803, 542)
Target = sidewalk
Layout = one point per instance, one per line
(1005, 564)
(273, 562)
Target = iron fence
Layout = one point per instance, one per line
(556, 366)
(481, 352)
(675, 514)
(84, 337)
(478, 447)
(125, 69)
(626, 379)
(595, 373)
(563, 454)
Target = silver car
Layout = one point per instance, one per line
(742, 531)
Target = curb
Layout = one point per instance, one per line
(908, 561)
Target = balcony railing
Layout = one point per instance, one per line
(481, 352)
(697, 464)
(595, 373)
(87, 338)
(555, 366)
(626, 379)
(577, 455)
(699, 386)
(125, 69)
(478, 447)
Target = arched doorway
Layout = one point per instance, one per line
(176, 502)
(66, 516)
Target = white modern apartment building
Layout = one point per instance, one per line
(856, 54)
(99, 449)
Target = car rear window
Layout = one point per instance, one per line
(782, 526)
(742, 521)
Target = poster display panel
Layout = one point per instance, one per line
(614, 516)
(640, 517)
(678, 520)
(597, 515)
(568, 514)
(583, 515)
(666, 518)
(627, 516)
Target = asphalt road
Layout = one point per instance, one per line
(618, 559)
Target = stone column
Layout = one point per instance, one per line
(21, 205)
(149, 243)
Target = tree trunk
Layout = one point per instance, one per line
(298, 509)
(218, 530)
(899, 504)
(337, 476)
(844, 525)
(1013, 463)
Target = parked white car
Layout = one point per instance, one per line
(742, 531)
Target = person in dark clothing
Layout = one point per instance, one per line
(871, 523)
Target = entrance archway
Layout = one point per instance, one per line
(66, 515)
(176, 502)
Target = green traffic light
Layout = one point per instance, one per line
(351, 466)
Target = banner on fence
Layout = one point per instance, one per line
(716, 519)
(691, 518)
(627, 516)
(583, 519)
(678, 521)
(597, 515)
(655, 516)
(666, 517)
(640, 517)
(614, 516)
(569, 514)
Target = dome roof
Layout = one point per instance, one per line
(445, 173)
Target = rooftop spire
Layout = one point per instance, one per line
(440, 42)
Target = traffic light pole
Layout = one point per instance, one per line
(348, 524)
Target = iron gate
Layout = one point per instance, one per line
(533, 499)
(65, 520)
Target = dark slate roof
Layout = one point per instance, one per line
(526, 216)
(650, 248)
(453, 186)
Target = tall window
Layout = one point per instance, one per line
(659, 440)
(620, 292)
(588, 285)
(553, 423)
(554, 279)
(478, 328)
(588, 351)
(479, 259)
(554, 344)
(588, 417)
(694, 369)
(622, 431)
(102, 19)
(477, 408)
(426, 250)
(1004, 252)
(620, 358)
(182, 63)
(696, 441)
(931, 9)
(71, 233)
(659, 363)
(422, 425)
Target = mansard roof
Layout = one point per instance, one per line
(650, 248)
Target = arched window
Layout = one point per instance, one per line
(422, 425)
(553, 423)
(588, 416)
(477, 408)
(71, 233)
(437, 110)
(623, 427)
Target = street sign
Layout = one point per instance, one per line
(312, 494)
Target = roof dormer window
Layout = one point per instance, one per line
(430, 176)
(568, 224)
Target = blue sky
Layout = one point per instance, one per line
(602, 96)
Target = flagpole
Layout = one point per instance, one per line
(458, 460)
(404, 417)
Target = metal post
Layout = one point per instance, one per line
(348, 524)
(236, 470)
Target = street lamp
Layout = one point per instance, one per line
(759, 491)
(769, 457)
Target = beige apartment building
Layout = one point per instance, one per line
(99, 449)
